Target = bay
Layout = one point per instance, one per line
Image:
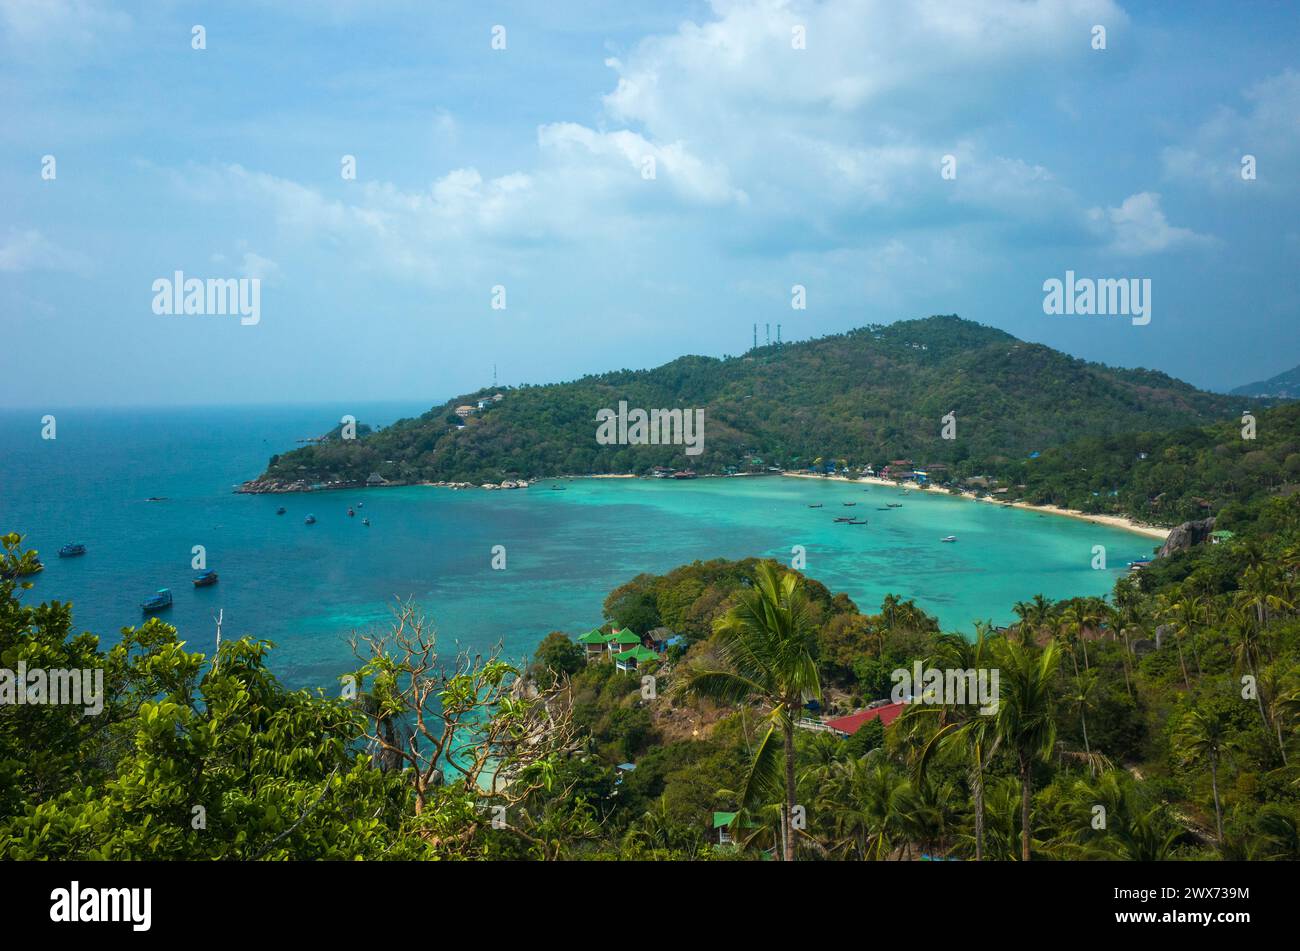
(306, 587)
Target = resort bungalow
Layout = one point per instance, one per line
(630, 660)
(722, 827)
(623, 639)
(463, 411)
(657, 640)
(595, 643)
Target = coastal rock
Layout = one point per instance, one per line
(271, 486)
(1186, 535)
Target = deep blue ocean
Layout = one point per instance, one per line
(306, 587)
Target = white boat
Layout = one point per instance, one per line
(950, 538)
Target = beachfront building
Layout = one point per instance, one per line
(463, 411)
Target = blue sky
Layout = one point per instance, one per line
(523, 167)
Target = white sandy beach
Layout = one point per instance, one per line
(1113, 521)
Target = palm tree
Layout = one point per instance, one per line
(1188, 613)
(962, 727)
(766, 642)
(1204, 735)
(1166, 611)
(1127, 616)
(1247, 650)
(1261, 592)
(1083, 699)
(1069, 625)
(1023, 722)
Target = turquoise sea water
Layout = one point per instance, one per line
(305, 587)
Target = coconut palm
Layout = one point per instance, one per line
(1189, 613)
(963, 728)
(1247, 651)
(1024, 724)
(1084, 699)
(765, 642)
(1167, 611)
(1205, 736)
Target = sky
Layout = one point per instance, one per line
(633, 182)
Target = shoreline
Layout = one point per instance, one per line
(1111, 521)
(1121, 522)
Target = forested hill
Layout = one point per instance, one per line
(1284, 386)
(868, 396)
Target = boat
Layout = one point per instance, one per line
(895, 505)
(351, 512)
(160, 601)
(949, 538)
(156, 498)
(23, 571)
(280, 510)
(310, 520)
(850, 503)
(205, 579)
(843, 518)
(816, 506)
(72, 550)
(684, 474)
(856, 521)
(365, 522)
(361, 504)
(882, 508)
(1139, 564)
(559, 488)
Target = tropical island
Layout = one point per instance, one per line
(1031, 424)
(740, 709)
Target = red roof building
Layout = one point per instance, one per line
(850, 724)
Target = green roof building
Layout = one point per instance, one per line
(632, 658)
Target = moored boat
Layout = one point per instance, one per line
(280, 510)
(365, 522)
(72, 550)
(949, 538)
(205, 579)
(309, 520)
(351, 513)
(815, 506)
(160, 601)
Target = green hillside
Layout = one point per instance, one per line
(867, 396)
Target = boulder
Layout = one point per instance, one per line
(1186, 535)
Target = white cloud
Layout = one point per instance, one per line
(1138, 226)
(1267, 129)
